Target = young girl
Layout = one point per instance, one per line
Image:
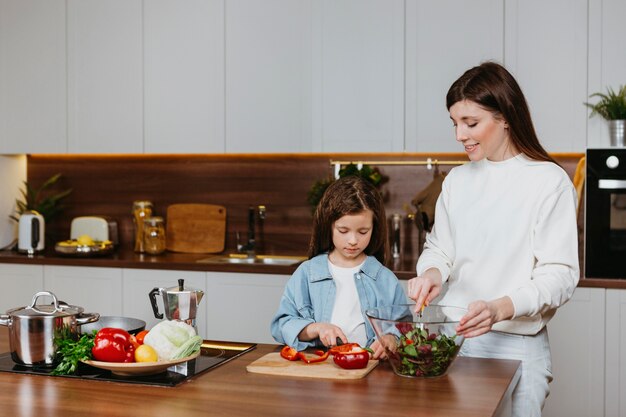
(505, 239)
(327, 296)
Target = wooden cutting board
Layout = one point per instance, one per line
(195, 228)
(274, 364)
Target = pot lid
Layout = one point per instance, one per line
(56, 309)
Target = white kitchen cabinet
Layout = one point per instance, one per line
(443, 40)
(105, 76)
(358, 76)
(139, 282)
(268, 76)
(19, 284)
(615, 385)
(184, 76)
(606, 61)
(97, 290)
(240, 307)
(32, 77)
(546, 50)
(577, 343)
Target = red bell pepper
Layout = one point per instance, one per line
(114, 345)
(347, 347)
(352, 357)
(320, 356)
(289, 353)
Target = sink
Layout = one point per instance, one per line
(242, 259)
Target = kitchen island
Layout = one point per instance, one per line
(473, 387)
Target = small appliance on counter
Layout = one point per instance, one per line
(31, 234)
(98, 227)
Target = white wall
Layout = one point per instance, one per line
(13, 173)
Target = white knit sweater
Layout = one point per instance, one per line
(506, 229)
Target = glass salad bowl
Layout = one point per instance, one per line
(422, 344)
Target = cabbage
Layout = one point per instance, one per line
(173, 340)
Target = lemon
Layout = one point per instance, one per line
(85, 240)
(145, 353)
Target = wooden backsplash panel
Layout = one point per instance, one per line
(108, 185)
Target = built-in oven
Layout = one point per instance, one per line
(605, 213)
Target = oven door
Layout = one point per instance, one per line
(605, 214)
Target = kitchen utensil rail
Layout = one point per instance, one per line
(429, 162)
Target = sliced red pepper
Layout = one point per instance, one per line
(320, 356)
(344, 348)
(289, 353)
(114, 345)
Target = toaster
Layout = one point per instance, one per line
(98, 227)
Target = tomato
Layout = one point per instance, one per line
(145, 353)
(140, 336)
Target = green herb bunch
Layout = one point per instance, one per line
(366, 172)
(425, 354)
(71, 351)
(612, 105)
(42, 199)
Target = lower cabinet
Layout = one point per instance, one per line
(97, 290)
(615, 353)
(240, 307)
(19, 284)
(578, 343)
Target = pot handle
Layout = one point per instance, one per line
(55, 302)
(155, 308)
(85, 318)
(5, 320)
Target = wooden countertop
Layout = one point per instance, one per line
(404, 267)
(473, 387)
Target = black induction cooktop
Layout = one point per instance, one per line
(213, 354)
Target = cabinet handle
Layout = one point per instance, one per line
(611, 184)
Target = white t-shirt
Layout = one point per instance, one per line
(506, 229)
(347, 309)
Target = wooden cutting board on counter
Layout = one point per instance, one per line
(195, 228)
(274, 364)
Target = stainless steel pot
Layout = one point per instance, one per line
(33, 329)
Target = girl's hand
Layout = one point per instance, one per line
(327, 333)
(425, 288)
(379, 350)
(482, 315)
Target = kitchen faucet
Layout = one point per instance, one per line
(252, 244)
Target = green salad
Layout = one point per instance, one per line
(425, 354)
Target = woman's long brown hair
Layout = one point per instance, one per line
(349, 195)
(492, 87)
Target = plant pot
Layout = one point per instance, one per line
(616, 132)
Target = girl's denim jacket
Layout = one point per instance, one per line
(309, 297)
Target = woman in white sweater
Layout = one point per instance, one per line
(505, 237)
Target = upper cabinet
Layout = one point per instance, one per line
(546, 50)
(268, 76)
(249, 76)
(358, 76)
(33, 105)
(184, 76)
(105, 80)
(443, 40)
(607, 60)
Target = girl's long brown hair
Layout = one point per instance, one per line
(349, 195)
(492, 87)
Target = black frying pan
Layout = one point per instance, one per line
(131, 325)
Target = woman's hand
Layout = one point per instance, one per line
(425, 288)
(327, 333)
(482, 315)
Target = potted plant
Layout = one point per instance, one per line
(612, 107)
(41, 199)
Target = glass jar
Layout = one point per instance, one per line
(154, 235)
(141, 211)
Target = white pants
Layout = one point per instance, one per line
(534, 351)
